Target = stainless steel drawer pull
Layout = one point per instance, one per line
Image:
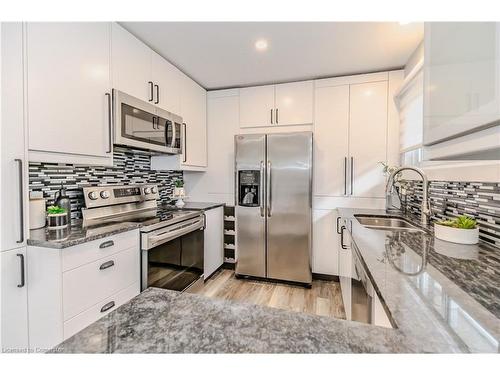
(23, 278)
(21, 201)
(106, 244)
(342, 238)
(109, 263)
(108, 306)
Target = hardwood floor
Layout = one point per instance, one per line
(324, 297)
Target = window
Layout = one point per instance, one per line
(410, 103)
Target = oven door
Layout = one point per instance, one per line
(174, 258)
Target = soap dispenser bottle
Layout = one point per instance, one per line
(63, 201)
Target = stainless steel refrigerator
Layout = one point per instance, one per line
(274, 205)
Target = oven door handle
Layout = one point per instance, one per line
(174, 233)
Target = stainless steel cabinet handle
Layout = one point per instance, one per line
(21, 200)
(342, 238)
(23, 279)
(338, 224)
(151, 97)
(277, 116)
(106, 244)
(184, 151)
(345, 175)
(269, 189)
(108, 306)
(109, 263)
(271, 115)
(110, 134)
(261, 193)
(157, 94)
(352, 175)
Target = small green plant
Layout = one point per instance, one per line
(179, 183)
(52, 210)
(462, 222)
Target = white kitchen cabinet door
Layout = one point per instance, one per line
(257, 106)
(194, 116)
(214, 240)
(462, 78)
(167, 80)
(294, 103)
(325, 253)
(14, 300)
(14, 228)
(368, 138)
(68, 88)
(131, 64)
(331, 141)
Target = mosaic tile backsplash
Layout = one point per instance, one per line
(480, 200)
(129, 167)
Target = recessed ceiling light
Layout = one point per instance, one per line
(261, 45)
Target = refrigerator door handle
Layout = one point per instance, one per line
(261, 193)
(268, 193)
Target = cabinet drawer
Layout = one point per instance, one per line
(84, 286)
(99, 310)
(79, 255)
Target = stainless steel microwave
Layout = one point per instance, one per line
(142, 125)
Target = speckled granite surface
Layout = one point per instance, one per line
(76, 234)
(162, 321)
(436, 291)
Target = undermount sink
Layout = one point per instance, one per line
(385, 223)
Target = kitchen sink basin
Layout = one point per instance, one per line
(386, 223)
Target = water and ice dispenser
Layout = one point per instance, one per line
(249, 188)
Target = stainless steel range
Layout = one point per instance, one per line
(171, 240)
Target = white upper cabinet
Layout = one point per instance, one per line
(331, 141)
(131, 67)
(14, 228)
(257, 106)
(368, 138)
(194, 115)
(284, 104)
(461, 78)
(294, 103)
(68, 88)
(167, 80)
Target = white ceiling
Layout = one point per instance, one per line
(222, 54)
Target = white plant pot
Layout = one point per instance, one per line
(457, 235)
(179, 191)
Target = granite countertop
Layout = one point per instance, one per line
(443, 295)
(78, 234)
(164, 321)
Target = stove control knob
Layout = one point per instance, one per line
(154, 190)
(93, 195)
(147, 190)
(104, 194)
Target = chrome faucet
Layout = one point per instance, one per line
(425, 209)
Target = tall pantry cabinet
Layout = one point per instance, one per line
(13, 222)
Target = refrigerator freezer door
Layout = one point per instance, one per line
(250, 154)
(289, 221)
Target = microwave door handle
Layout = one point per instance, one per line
(173, 134)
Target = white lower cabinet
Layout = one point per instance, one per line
(73, 287)
(325, 256)
(14, 300)
(214, 240)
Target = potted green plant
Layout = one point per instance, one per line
(179, 188)
(56, 217)
(462, 229)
